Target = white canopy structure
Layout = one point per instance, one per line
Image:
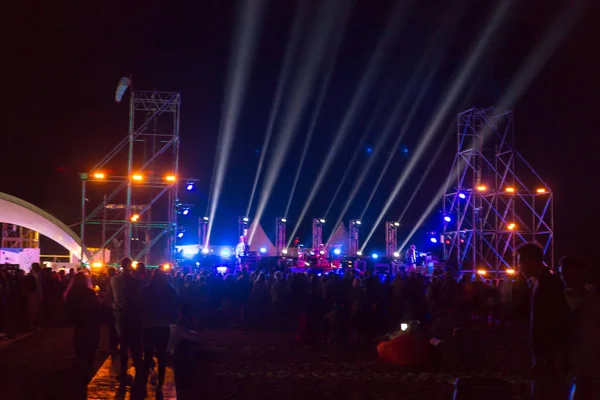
(19, 212)
(340, 236)
(261, 240)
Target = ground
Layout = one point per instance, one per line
(252, 364)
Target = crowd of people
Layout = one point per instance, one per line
(345, 307)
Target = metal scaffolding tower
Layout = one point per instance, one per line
(18, 237)
(391, 238)
(494, 201)
(132, 191)
(280, 235)
(354, 237)
(317, 233)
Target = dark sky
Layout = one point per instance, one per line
(62, 64)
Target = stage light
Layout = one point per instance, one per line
(510, 190)
(337, 252)
(322, 221)
(222, 270)
(481, 272)
(225, 253)
(245, 219)
(462, 196)
(170, 178)
(185, 211)
(283, 220)
(137, 177)
(97, 265)
(135, 217)
(510, 271)
(322, 252)
(205, 250)
(511, 226)
(166, 267)
(357, 222)
(205, 218)
(396, 224)
(541, 190)
(134, 264)
(98, 175)
(263, 250)
(180, 235)
(433, 240)
(375, 255)
(396, 254)
(482, 188)
(197, 264)
(284, 251)
(189, 187)
(447, 218)
(359, 253)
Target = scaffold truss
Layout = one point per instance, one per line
(494, 200)
(129, 200)
(14, 236)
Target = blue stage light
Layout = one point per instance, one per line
(369, 149)
(375, 255)
(337, 252)
(447, 218)
(462, 196)
(180, 235)
(225, 253)
(205, 250)
(263, 250)
(222, 270)
(185, 211)
(433, 240)
(189, 187)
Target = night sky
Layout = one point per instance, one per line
(62, 64)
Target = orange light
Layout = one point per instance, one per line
(135, 217)
(166, 267)
(481, 272)
(134, 264)
(98, 175)
(482, 188)
(97, 265)
(541, 190)
(138, 177)
(170, 178)
(510, 190)
(510, 271)
(511, 226)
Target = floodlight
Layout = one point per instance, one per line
(396, 254)
(137, 177)
(337, 252)
(170, 178)
(98, 175)
(263, 250)
(375, 255)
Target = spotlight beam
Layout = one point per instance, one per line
(250, 15)
(434, 48)
(332, 18)
(295, 34)
(396, 19)
(438, 47)
(336, 42)
(372, 121)
(444, 107)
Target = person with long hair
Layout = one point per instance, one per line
(83, 310)
(159, 311)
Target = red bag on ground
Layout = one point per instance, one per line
(407, 349)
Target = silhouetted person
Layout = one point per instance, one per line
(126, 290)
(583, 329)
(83, 310)
(159, 311)
(548, 325)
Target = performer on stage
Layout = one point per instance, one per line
(241, 252)
(411, 258)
